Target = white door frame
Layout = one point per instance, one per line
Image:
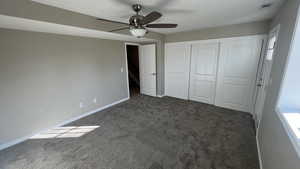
(274, 32)
(259, 69)
(126, 61)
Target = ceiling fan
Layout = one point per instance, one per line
(138, 23)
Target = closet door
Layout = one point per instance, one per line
(204, 62)
(238, 64)
(177, 60)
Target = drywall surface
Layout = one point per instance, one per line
(290, 93)
(276, 148)
(246, 29)
(36, 11)
(39, 12)
(45, 77)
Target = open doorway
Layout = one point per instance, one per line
(132, 52)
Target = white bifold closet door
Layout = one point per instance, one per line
(238, 63)
(203, 73)
(221, 72)
(177, 69)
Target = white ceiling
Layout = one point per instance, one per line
(10, 22)
(188, 14)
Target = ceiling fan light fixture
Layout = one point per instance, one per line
(138, 32)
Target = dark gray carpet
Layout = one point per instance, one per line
(147, 133)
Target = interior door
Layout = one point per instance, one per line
(177, 68)
(264, 75)
(204, 62)
(148, 69)
(238, 64)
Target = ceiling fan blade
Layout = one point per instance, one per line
(162, 25)
(107, 20)
(119, 29)
(151, 17)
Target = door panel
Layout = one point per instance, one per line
(177, 60)
(148, 69)
(204, 62)
(265, 74)
(237, 73)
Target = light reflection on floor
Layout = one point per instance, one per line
(65, 132)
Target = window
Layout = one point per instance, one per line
(293, 120)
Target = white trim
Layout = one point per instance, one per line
(190, 68)
(274, 32)
(134, 44)
(160, 96)
(218, 39)
(293, 138)
(164, 69)
(22, 139)
(258, 73)
(259, 153)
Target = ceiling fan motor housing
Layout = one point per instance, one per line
(136, 20)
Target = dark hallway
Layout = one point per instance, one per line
(133, 69)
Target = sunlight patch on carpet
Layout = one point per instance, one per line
(65, 132)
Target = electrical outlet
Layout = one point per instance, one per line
(80, 105)
(95, 100)
(122, 70)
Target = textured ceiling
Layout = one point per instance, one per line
(10, 22)
(188, 14)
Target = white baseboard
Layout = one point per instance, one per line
(19, 140)
(259, 153)
(161, 96)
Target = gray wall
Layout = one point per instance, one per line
(220, 32)
(290, 93)
(32, 10)
(276, 148)
(44, 77)
(36, 11)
